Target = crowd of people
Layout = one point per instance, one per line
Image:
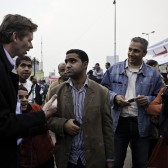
(94, 115)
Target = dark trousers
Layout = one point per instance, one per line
(152, 145)
(79, 164)
(48, 164)
(127, 132)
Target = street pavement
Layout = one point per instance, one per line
(128, 159)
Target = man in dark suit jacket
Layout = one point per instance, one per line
(16, 34)
(36, 91)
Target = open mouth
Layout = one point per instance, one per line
(24, 104)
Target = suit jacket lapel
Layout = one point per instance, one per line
(88, 98)
(69, 102)
(4, 59)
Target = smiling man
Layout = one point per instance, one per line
(132, 85)
(40, 146)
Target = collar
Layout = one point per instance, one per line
(133, 69)
(9, 57)
(4, 58)
(69, 81)
(143, 68)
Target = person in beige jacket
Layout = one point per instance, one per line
(83, 123)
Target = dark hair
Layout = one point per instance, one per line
(90, 72)
(21, 87)
(108, 63)
(152, 63)
(82, 55)
(141, 40)
(62, 63)
(15, 23)
(19, 59)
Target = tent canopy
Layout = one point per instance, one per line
(158, 52)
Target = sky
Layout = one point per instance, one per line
(89, 25)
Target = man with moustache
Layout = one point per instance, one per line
(82, 124)
(132, 85)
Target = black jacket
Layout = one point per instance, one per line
(12, 126)
(38, 98)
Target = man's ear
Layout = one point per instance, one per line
(14, 37)
(85, 63)
(145, 52)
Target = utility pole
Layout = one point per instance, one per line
(114, 2)
(41, 55)
(34, 61)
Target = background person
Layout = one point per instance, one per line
(91, 76)
(35, 151)
(36, 91)
(63, 77)
(98, 72)
(107, 65)
(158, 110)
(23, 68)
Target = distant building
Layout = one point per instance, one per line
(112, 59)
(159, 53)
(52, 77)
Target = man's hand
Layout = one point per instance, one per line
(71, 128)
(141, 100)
(50, 107)
(120, 100)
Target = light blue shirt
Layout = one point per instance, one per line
(9, 58)
(78, 96)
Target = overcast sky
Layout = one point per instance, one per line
(89, 25)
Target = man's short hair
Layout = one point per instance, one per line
(20, 59)
(15, 23)
(82, 55)
(141, 40)
(21, 87)
(90, 72)
(108, 63)
(152, 62)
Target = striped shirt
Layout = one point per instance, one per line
(77, 149)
